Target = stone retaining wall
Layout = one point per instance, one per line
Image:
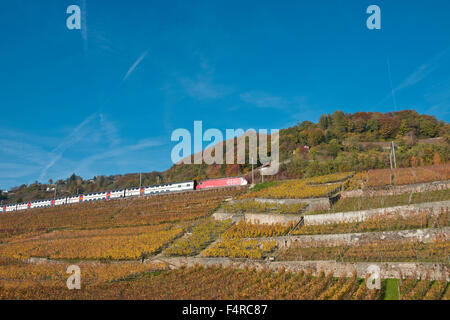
(422, 235)
(354, 216)
(339, 217)
(312, 203)
(431, 271)
(258, 217)
(394, 190)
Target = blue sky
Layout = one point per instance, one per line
(105, 99)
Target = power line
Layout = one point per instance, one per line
(392, 88)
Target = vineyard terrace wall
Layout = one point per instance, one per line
(313, 204)
(338, 217)
(395, 190)
(354, 216)
(431, 271)
(267, 218)
(422, 235)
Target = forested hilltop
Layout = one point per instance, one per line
(338, 142)
(346, 142)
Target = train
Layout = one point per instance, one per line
(130, 192)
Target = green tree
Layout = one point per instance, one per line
(404, 129)
(333, 148)
(428, 127)
(324, 121)
(315, 137)
(373, 125)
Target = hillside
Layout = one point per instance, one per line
(344, 142)
(310, 239)
(338, 142)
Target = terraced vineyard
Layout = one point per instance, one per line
(401, 176)
(173, 246)
(382, 222)
(300, 188)
(116, 230)
(143, 282)
(169, 208)
(392, 251)
(374, 202)
(114, 244)
(217, 283)
(256, 206)
(240, 248)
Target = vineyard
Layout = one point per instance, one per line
(294, 189)
(203, 234)
(144, 282)
(240, 248)
(382, 222)
(379, 251)
(129, 243)
(126, 248)
(374, 202)
(16, 274)
(400, 176)
(116, 230)
(263, 207)
(244, 229)
(118, 213)
(330, 178)
(216, 283)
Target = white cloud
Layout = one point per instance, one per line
(203, 88)
(202, 85)
(264, 100)
(119, 152)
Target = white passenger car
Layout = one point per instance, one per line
(133, 192)
(115, 194)
(10, 208)
(94, 196)
(41, 204)
(169, 187)
(23, 206)
(73, 199)
(60, 201)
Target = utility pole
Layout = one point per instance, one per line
(390, 158)
(253, 177)
(140, 180)
(393, 153)
(54, 197)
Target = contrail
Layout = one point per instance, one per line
(134, 66)
(68, 142)
(75, 136)
(392, 87)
